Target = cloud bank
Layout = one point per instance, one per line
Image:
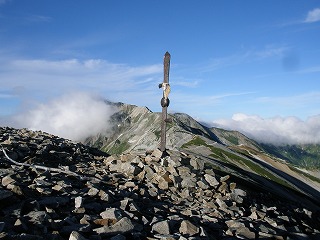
(313, 16)
(277, 130)
(75, 116)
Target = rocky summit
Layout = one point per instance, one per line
(53, 188)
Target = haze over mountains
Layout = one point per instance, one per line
(75, 116)
(276, 130)
(87, 114)
(79, 116)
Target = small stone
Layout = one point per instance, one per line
(188, 182)
(245, 233)
(7, 180)
(232, 186)
(225, 178)
(188, 228)
(85, 219)
(44, 191)
(157, 154)
(93, 191)
(203, 233)
(163, 184)
(37, 217)
(133, 207)
(211, 180)
(185, 193)
(150, 174)
(129, 184)
(20, 225)
(261, 214)
(237, 195)
(234, 224)
(284, 218)
(104, 222)
(108, 160)
(115, 166)
(130, 169)
(140, 176)
(308, 213)
(239, 192)
(57, 187)
(197, 164)
(223, 187)
(166, 237)
(76, 236)
(148, 159)
(271, 222)
(111, 213)
(42, 182)
(202, 185)
(124, 225)
(184, 171)
(104, 196)
(78, 202)
(161, 227)
(153, 192)
(127, 157)
(253, 216)
(186, 212)
(124, 204)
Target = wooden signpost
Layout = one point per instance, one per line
(165, 99)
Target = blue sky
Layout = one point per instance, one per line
(255, 58)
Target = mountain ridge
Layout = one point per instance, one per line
(138, 130)
(180, 129)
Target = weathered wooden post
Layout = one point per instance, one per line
(165, 99)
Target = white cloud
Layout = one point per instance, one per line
(52, 77)
(313, 16)
(74, 116)
(98, 68)
(270, 51)
(277, 130)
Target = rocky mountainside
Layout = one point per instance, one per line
(137, 129)
(53, 188)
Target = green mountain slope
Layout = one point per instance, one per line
(307, 155)
(138, 129)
